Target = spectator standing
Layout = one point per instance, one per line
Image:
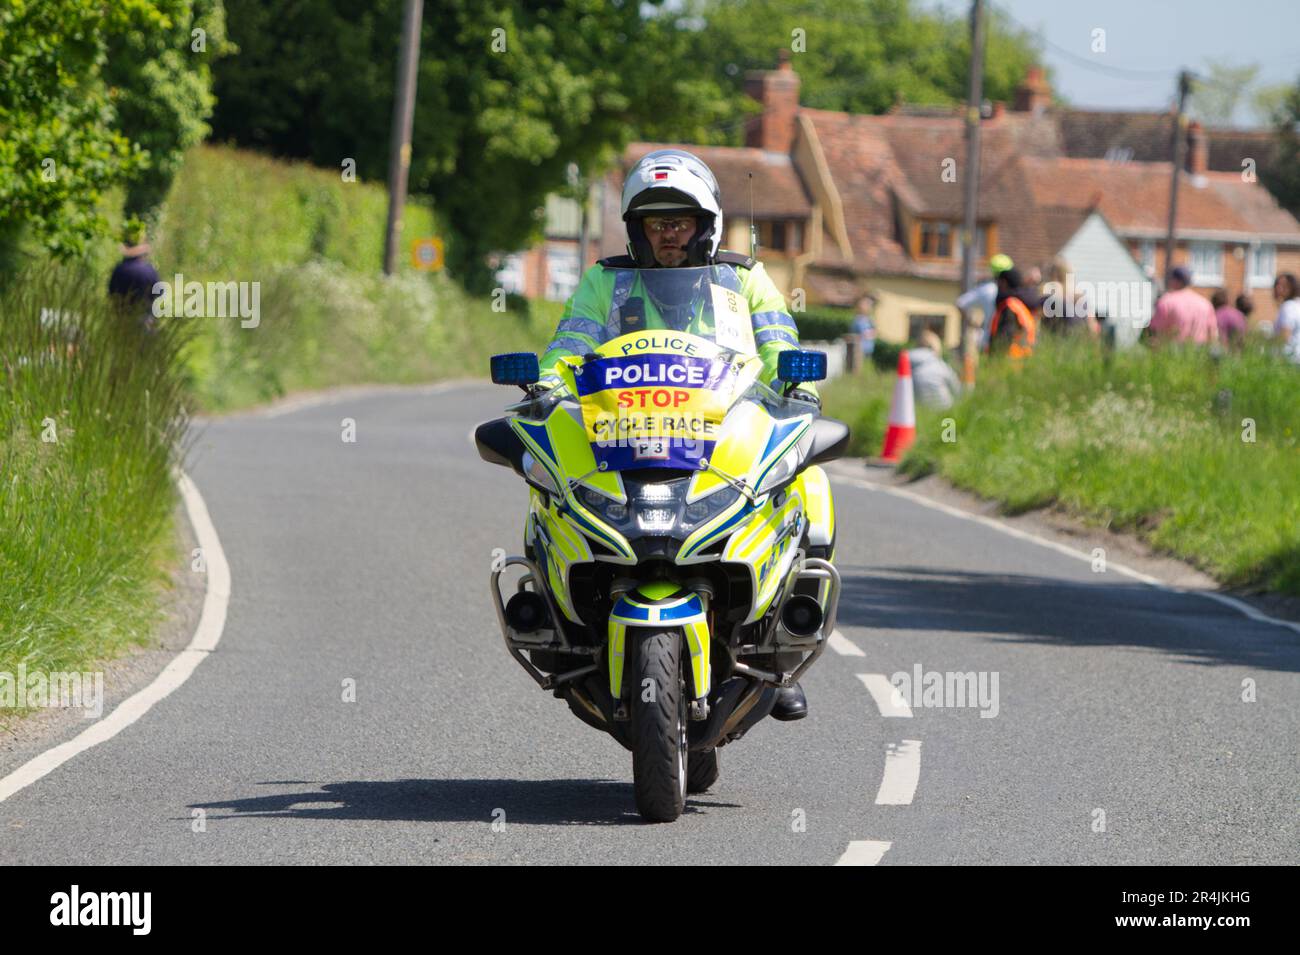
(1245, 304)
(864, 327)
(934, 382)
(984, 297)
(1015, 327)
(133, 281)
(1232, 324)
(1286, 289)
(1184, 315)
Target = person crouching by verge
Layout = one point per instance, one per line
(934, 382)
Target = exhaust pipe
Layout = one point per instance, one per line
(526, 612)
(801, 615)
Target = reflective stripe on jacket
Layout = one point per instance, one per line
(1024, 336)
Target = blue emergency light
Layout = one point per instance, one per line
(795, 367)
(516, 368)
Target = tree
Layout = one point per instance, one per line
(164, 94)
(859, 56)
(1216, 95)
(1285, 172)
(509, 94)
(63, 94)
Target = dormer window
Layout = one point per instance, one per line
(941, 240)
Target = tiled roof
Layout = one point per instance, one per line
(873, 158)
(1134, 197)
(778, 190)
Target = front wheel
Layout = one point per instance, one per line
(659, 757)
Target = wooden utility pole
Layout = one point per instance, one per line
(1176, 153)
(970, 223)
(399, 149)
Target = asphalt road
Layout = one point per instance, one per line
(1120, 733)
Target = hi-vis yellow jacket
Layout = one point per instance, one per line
(592, 315)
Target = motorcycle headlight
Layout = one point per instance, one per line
(537, 475)
(707, 508)
(781, 472)
(658, 507)
(612, 511)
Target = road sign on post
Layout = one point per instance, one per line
(426, 255)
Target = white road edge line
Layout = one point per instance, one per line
(206, 637)
(843, 645)
(1238, 605)
(864, 852)
(889, 701)
(902, 773)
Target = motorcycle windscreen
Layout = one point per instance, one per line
(657, 399)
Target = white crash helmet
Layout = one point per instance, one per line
(672, 180)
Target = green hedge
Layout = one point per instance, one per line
(823, 323)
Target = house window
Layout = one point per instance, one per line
(511, 274)
(1263, 266)
(1147, 255)
(936, 240)
(1207, 263)
(561, 272)
(781, 235)
(918, 322)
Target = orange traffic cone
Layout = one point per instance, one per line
(902, 413)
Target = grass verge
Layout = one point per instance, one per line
(1198, 456)
(91, 424)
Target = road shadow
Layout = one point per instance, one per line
(542, 802)
(1021, 607)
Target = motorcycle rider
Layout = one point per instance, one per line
(673, 210)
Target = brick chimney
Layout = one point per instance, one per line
(1035, 94)
(778, 91)
(1198, 149)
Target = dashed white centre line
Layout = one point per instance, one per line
(902, 773)
(888, 700)
(844, 646)
(864, 852)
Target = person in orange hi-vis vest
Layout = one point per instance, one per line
(1014, 328)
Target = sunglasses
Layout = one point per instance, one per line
(660, 226)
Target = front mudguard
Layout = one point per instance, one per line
(652, 608)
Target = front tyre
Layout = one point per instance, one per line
(702, 770)
(659, 757)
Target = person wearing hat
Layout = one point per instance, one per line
(985, 296)
(1182, 314)
(132, 284)
(1014, 328)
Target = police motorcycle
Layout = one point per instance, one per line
(677, 549)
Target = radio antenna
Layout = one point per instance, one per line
(753, 229)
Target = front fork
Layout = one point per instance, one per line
(655, 607)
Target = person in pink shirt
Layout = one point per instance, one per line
(1184, 315)
(1232, 323)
